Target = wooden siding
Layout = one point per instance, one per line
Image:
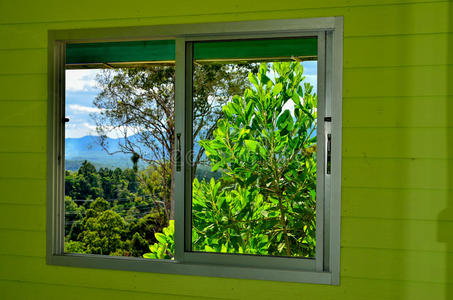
(397, 199)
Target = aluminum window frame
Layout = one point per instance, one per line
(325, 268)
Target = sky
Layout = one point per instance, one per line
(81, 90)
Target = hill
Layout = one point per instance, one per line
(89, 148)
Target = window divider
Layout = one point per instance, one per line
(180, 128)
(321, 142)
(188, 149)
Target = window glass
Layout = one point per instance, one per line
(119, 141)
(254, 156)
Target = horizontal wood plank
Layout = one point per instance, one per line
(398, 81)
(396, 173)
(21, 242)
(22, 191)
(23, 113)
(23, 165)
(397, 203)
(435, 143)
(396, 234)
(400, 265)
(400, 50)
(23, 139)
(413, 111)
(30, 290)
(23, 217)
(23, 61)
(23, 87)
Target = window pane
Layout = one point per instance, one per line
(119, 141)
(254, 160)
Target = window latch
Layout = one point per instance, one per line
(65, 120)
(178, 152)
(328, 146)
(329, 153)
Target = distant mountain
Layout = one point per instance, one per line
(89, 148)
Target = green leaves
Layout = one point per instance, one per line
(251, 145)
(277, 89)
(165, 246)
(254, 80)
(264, 197)
(284, 120)
(160, 238)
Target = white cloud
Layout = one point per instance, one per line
(79, 130)
(80, 80)
(83, 109)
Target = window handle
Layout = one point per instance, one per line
(178, 152)
(329, 153)
(328, 146)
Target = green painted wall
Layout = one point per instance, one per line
(397, 198)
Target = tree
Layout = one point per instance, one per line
(103, 229)
(156, 183)
(268, 157)
(73, 217)
(139, 103)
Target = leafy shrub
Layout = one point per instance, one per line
(165, 246)
(74, 247)
(267, 153)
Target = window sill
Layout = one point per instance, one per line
(181, 268)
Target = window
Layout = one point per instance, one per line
(206, 150)
(119, 133)
(254, 176)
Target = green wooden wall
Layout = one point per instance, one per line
(397, 198)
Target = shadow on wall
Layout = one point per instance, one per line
(444, 233)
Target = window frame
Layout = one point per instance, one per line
(325, 268)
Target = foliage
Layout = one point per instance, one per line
(226, 220)
(267, 154)
(74, 247)
(74, 214)
(124, 217)
(102, 229)
(165, 246)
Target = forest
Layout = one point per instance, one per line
(112, 212)
(253, 185)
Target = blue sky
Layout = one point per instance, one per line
(81, 90)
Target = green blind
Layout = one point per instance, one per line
(118, 52)
(264, 48)
(143, 51)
